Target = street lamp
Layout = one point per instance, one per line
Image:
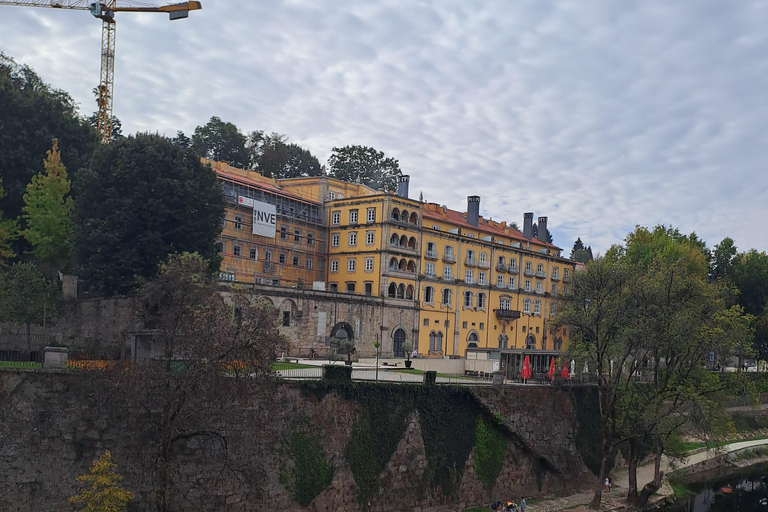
(377, 345)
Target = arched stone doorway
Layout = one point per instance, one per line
(472, 340)
(397, 346)
(340, 333)
(530, 342)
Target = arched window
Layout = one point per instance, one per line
(392, 290)
(537, 307)
(412, 243)
(403, 266)
(527, 306)
(446, 297)
(395, 214)
(412, 266)
(439, 342)
(481, 300)
(394, 239)
(393, 264)
(432, 341)
(467, 299)
(540, 269)
(530, 342)
(505, 303)
(552, 308)
(409, 292)
(403, 241)
(472, 340)
(399, 339)
(414, 218)
(404, 216)
(429, 294)
(401, 291)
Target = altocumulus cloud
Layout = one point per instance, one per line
(599, 114)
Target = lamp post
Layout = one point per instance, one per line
(377, 345)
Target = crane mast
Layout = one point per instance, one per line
(105, 10)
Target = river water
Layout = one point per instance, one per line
(742, 491)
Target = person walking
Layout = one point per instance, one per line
(522, 504)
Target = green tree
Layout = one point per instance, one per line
(102, 494)
(222, 142)
(46, 211)
(8, 233)
(142, 199)
(749, 273)
(722, 259)
(580, 252)
(31, 114)
(274, 157)
(362, 164)
(26, 297)
(302, 163)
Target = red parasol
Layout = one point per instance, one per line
(551, 368)
(526, 373)
(565, 373)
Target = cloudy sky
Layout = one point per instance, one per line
(599, 114)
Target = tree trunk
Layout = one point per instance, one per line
(651, 487)
(634, 459)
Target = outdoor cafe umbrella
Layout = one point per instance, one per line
(526, 373)
(573, 367)
(551, 368)
(565, 373)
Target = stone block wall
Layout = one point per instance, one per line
(54, 424)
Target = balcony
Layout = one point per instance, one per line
(507, 314)
(541, 275)
(430, 275)
(431, 255)
(470, 262)
(484, 264)
(269, 267)
(555, 277)
(566, 279)
(482, 282)
(501, 285)
(513, 269)
(539, 292)
(469, 280)
(528, 272)
(449, 258)
(501, 267)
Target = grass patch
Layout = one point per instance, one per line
(290, 366)
(20, 364)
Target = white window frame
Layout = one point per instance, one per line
(352, 238)
(351, 265)
(334, 240)
(353, 216)
(447, 272)
(505, 303)
(481, 301)
(528, 285)
(370, 237)
(370, 215)
(469, 276)
(527, 306)
(539, 287)
(469, 299)
(335, 217)
(481, 278)
(500, 281)
(334, 266)
(512, 283)
(427, 290)
(537, 307)
(429, 270)
(369, 264)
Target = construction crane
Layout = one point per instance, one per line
(105, 11)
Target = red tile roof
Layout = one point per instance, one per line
(261, 185)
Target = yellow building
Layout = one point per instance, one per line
(269, 236)
(483, 289)
(489, 290)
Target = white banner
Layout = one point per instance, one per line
(245, 201)
(264, 219)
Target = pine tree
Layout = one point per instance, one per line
(46, 210)
(104, 495)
